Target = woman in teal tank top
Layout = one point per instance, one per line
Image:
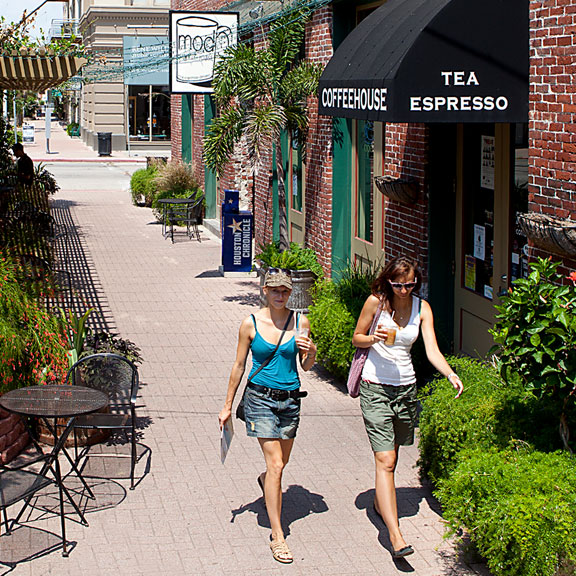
(272, 395)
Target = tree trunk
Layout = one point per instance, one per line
(282, 217)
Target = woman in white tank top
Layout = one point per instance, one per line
(388, 388)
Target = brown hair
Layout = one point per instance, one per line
(396, 267)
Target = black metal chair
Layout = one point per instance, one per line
(187, 213)
(118, 377)
(21, 482)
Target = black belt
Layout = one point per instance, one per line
(275, 394)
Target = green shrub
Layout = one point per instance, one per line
(174, 180)
(519, 508)
(332, 326)
(490, 413)
(142, 185)
(448, 426)
(73, 129)
(295, 258)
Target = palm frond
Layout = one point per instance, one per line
(221, 137)
(301, 82)
(287, 35)
(240, 73)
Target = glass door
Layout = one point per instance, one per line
(482, 234)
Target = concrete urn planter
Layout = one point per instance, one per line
(302, 281)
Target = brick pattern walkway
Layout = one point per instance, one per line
(191, 515)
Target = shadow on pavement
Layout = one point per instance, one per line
(81, 289)
(297, 503)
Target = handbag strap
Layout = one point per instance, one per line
(267, 361)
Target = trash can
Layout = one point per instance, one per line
(104, 143)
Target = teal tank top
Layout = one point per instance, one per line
(281, 372)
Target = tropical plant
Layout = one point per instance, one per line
(261, 93)
(293, 258)
(75, 327)
(535, 335)
(45, 179)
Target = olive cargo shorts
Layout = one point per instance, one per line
(389, 414)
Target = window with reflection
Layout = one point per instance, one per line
(364, 179)
(149, 113)
(518, 263)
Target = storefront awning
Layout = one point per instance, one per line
(37, 73)
(433, 61)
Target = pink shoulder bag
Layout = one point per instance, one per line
(355, 374)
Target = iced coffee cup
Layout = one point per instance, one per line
(391, 336)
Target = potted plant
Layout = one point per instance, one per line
(304, 269)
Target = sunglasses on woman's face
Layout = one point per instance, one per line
(400, 285)
(273, 271)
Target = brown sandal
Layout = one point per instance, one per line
(281, 552)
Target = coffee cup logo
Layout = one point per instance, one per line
(200, 41)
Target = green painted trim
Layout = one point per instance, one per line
(186, 118)
(210, 180)
(341, 190)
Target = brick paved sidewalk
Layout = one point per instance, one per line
(191, 515)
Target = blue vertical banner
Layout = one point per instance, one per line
(237, 241)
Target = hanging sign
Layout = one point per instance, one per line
(197, 41)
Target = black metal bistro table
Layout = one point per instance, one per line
(51, 403)
(178, 210)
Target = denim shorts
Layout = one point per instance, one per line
(389, 414)
(268, 418)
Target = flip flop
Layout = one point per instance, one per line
(280, 552)
(403, 552)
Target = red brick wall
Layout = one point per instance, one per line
(406, 229)
(319, 162)
(13, 436)
(175, 126)
(552, 136)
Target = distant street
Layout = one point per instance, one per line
(92, 175)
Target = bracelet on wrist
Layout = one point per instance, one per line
(451, 375)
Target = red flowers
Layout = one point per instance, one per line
(572, 277)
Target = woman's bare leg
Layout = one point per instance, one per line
(276, 454)
(385, 500)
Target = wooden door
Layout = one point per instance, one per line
(482, 232)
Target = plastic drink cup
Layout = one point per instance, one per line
(301, 332)
(391, 336)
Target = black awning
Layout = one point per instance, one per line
(433, 61)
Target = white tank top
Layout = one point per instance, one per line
(392, 365)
